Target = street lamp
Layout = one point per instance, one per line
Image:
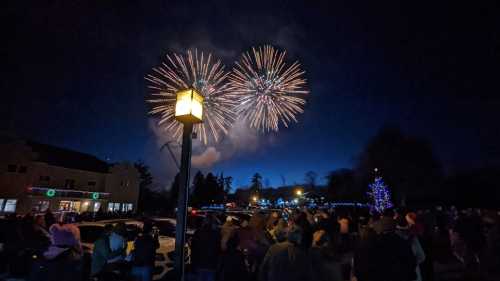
(298, 192)
(188, 111)
(255, 199)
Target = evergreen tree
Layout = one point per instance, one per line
(197, 190)
(380, 196)
(228, 181)
(256, 185)
(211, 187)
(219, 194)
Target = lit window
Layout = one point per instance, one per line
(97, 206)
(113, 207)
(40, 206)
(10, 206)
(11, 168)
(65, 206)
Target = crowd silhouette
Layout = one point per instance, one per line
(279, 245)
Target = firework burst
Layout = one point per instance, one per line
(267, 90)
(193, 70)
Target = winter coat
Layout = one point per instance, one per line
(285, 262)
(417, 250)
(232, 267)
(226, 231)
(102, 254)
(205, 248)
(60, 263)
(145, 250)
(324, 265)
(387, 257)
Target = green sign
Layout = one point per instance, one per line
(95, 195)
(51, 193)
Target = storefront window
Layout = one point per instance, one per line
(113, 207)
(10, 206)
(40, 205)
(85, 206)
(97, 206)
(65, 206)
(126, 207)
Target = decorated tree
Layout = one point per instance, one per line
(380, 196)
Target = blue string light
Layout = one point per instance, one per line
(380, 195)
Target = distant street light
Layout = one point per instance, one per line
(255, 199)
(188, 111)
(298, 192)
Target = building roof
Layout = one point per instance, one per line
(67, 158)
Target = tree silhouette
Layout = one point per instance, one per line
(228, 181)
(311, 178)
(256, 184)
(343, 186)
(198, 191)
(174, 192)
(407, 163)
(212, 188)
(146, 180)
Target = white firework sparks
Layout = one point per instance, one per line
(267, 90)
(180, 72)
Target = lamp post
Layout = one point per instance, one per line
(188, 111)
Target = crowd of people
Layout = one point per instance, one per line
(39, 248)
(280, 245)
(333, 245)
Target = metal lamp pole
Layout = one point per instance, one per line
(188, 110)
(182, 204)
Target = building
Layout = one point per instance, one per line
(36, 177)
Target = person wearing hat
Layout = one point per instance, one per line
(403, 231)
(288, 260)
(325, 261)
(64, 256)
(227, 230)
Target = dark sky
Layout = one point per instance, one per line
(73, 75)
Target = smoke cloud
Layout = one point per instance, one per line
(206, 159)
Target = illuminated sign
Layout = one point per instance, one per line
(51, 193)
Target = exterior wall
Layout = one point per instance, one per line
(13, 185)
(122, 182)
(59, 175)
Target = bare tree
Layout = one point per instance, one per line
(311, 179)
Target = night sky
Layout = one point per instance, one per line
(73, 76)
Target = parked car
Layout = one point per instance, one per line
(91, 231)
